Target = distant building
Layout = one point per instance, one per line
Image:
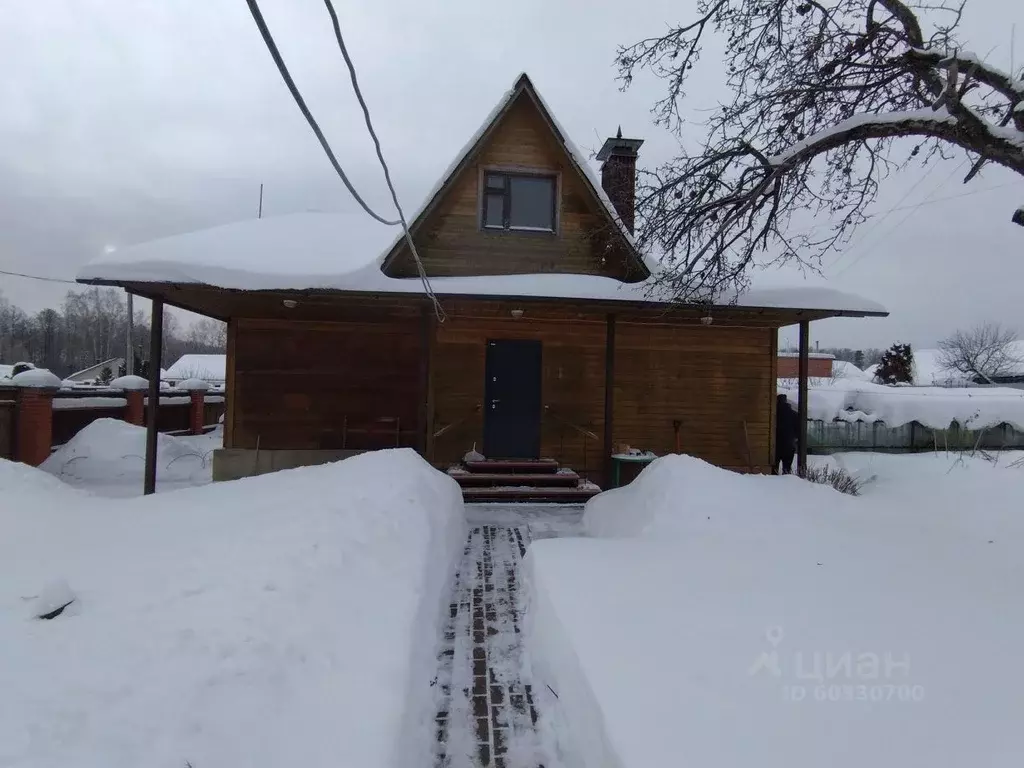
(94, 372)
(209, 368)
(819, 365)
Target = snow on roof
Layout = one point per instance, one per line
(842, 369)
(206, 367)
(345, 252)
(309, 251)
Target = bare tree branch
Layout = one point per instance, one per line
(828, 97)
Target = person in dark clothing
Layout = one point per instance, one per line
(787, 427)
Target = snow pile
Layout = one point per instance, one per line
(129, 383)
(194, 385)
(287, 619)
(736, 621)
(934, 407)
(38, 378)
(108, 457)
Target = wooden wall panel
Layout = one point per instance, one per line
(451, 242)
(712, 380)
(572, 387)
(295, 383)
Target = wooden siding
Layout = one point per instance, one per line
(712, 380)
(296, 383)
(451, 242)
(7, 427)
(572, 385)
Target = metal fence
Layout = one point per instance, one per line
(838, 436)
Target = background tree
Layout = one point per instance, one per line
(90, 327)
(896, 365)
(858, 359)
(820, 92)
(983, 352)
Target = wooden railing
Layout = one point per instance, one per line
(449, 427)
(586, 433)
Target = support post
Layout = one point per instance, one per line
(802, 409)
(609, 398)
(426, 400)
(156, 335)
(129, 342)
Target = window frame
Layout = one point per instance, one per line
(487, 173)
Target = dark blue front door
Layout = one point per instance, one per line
(512, 399)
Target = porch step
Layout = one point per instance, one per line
(563, 478)
(513, 466)
(518, 493)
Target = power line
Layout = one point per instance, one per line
(380, 156)
(913, 209)
(283, 69)
(943, 199)
(38, 277)
(877, 223)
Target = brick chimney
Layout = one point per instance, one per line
(618, 174)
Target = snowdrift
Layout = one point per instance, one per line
(717, 619)
(287, 619)
(108, 456)
(934, 407)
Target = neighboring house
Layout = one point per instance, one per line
(550, 337)
(819, 365)
(209, 368)
(94, 372)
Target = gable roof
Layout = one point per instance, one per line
(113, 363)
(523, 86)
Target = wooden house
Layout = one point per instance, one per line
(549, 337)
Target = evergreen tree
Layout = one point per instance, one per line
(896, 365)
(858, 359)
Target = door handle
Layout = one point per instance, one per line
(494, 404)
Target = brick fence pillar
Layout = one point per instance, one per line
(135, 411)
(196, 389)
(134, 388)
(195, 414)
(35, 425)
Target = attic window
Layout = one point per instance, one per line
(519, 201)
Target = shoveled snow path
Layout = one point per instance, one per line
(488, 711)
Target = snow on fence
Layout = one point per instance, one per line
(72, 409)
(825, 437)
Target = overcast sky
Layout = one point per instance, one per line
(127, 120)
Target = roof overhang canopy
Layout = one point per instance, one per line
(323, 256)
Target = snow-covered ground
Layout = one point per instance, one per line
(725, 620)
(108, 458)
(287, 619)
(851, 399)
